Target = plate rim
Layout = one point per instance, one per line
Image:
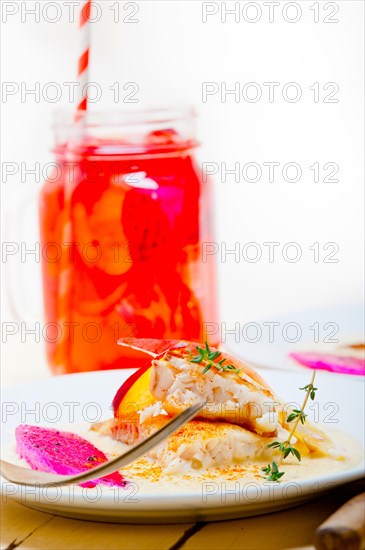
(193, 498)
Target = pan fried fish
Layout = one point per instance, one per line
(241, 418)
(201, 444)
(237, 395)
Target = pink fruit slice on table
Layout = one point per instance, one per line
(62, 453)
(333, 363)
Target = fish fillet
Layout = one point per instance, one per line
(241, 416)
(201, 445)
(241, 398)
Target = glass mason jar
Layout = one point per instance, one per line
(122, 219)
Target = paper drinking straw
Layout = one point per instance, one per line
(65, 289)
(83, 66)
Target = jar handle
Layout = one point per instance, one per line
(18, 277)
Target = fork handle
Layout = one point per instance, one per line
(345, 529)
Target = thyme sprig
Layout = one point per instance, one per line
(298, 415)
(209, 358)
(312, 390)
(285, 448)
(272, 472)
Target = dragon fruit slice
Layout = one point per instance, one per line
(333, 363)
(63, 453)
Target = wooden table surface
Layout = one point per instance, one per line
(24, 528)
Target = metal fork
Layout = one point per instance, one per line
(36, 478)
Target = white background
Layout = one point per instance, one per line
(169, 53)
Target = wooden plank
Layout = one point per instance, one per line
(61, 533)
(287, 529)
(18, 522)
(293, 528)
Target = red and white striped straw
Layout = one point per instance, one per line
(83, 66)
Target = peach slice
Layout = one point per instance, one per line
(134, 393)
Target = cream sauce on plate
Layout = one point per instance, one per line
(147, 474)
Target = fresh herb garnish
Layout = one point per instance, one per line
(285, 448)
(311, 389)
(272, 472)
(299, 416)
(297, 413)
(209, 357)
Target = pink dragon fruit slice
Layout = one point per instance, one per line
(63, 453)
(333, 363)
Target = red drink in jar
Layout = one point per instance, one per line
(122, 221)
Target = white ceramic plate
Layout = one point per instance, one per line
(70, 400)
